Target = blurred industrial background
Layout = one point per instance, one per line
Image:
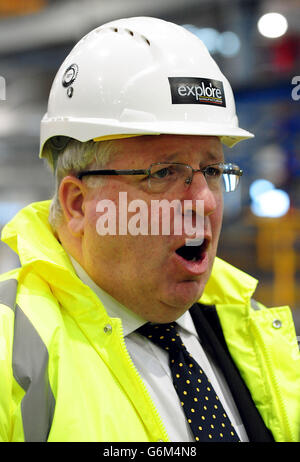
(260, 55)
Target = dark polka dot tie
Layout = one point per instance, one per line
(202, 407)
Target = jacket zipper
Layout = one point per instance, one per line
(284, 419)
(136, 373)
(146, 392)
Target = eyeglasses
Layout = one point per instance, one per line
(166, 176)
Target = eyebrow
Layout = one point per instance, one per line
(211, 156)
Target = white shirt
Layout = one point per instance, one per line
(153, 365)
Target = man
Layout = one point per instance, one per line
(123, 333)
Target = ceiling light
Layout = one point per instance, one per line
(274, 203)
(272, 25)
(228, 43)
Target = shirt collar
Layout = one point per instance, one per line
(130, 320)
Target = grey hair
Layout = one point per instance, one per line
(76, 156)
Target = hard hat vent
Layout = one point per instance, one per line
(121, 30)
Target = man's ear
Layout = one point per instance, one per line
(72, 192)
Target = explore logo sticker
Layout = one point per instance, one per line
(197, 90)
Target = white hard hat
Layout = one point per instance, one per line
(140, 76)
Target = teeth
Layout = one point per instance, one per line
(194, 242)
(194, 259)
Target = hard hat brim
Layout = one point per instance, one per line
(99, 129)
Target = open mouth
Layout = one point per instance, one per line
(193, 253)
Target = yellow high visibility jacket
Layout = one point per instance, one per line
(66, 375)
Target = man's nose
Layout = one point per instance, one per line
(199, 190)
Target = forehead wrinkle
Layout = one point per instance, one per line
(209, 156)
(161, 152)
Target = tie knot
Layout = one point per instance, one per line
(163, 335)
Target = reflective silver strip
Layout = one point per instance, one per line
(8, 292)
(30, 369)
(254, 305)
